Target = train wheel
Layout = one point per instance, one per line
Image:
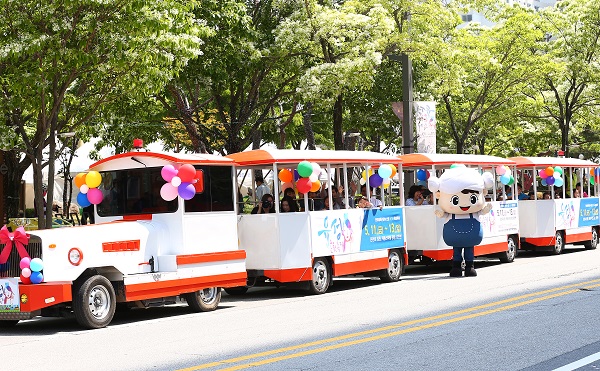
(394, 269)
(94, 302)
(233, 291)
(511, 252)
(321, 276)
(204, 300)
(593, 243)
(559, 243)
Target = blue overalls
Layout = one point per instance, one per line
(463, 234)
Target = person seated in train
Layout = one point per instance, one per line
(415, 196)
(266, 205)
(315, 203)
(286, 205)
(547, 196)
(581, 192)
(428, 197)
(363, 203)
(374, 200)
(521, 194)
(291, 194)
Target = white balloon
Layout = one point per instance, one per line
(84, 188)
(176, 181)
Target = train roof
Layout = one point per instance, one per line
(135, 160)
(290, 156)
(552, 161)
(428, 159)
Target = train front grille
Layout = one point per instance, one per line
(11, 267)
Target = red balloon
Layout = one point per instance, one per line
(25, 280)
(303, 185)
(186, 173)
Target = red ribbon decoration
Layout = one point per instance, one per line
(19, 238)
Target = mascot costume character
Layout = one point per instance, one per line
(461, 196)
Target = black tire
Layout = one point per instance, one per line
(235, 291)
(321, 277)
(204, 300)
(559, 243)
(593, 243)
(511, 252)
(94, 302)
(395, 267)
(8, 323)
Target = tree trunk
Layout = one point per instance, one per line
(12, 185)
(308, 128)
(338, 110)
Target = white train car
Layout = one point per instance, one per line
(561, 216)
(424, 230)
(144, 250)
(312, 246)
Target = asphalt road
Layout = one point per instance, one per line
(538, 313)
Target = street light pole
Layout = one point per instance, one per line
(407, 105)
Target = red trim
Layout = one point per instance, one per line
(158, 289)
(132, 218)
(578, 237)
(446, 254)
(132, 245)
(540, 241)
(211, 257)
(289, 275)
(163, 156)
(342, 269)
(44, 295)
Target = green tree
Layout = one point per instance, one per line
(62, 62)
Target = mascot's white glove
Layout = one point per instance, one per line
(439, 213)
(486, 209)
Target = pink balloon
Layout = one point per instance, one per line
(500, 170)
(26, 272)
(95, 196)
(543, 174)
(168, 172)
(24, 263)
(168, 192)
(186, 191)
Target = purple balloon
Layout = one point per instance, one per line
(375, 180)
(186, 191)
(296, 175)
(550, 180)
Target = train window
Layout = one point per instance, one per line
(133, 191)
(216, 194)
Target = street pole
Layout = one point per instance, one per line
(407, 105)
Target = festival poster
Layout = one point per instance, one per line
(503, 219)
(382, 229)
(588, 212)
(9, 295)
(566, 213)
(425, 123)
(336, 232)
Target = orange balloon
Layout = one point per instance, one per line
(286, 176)
(549, 171)
(79, 180)
(394, 170)
(316, 185)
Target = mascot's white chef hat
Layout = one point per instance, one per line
(458, 178)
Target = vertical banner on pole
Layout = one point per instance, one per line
(425, 123)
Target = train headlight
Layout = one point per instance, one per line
(75, 256)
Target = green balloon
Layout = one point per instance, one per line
(558, 169)
(305, 169)
(511, 181)
(592, 180)
(457, 165)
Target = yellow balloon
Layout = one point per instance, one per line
(79, 180)
(93, 179)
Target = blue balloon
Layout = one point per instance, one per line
(505, 179)
(36, 265)
(36, 277)
(421, 174)
(82, 200)
(544, 182)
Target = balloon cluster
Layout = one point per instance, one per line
(595, 175)
(505, 174)
(552, 176)
(180, 182)
(308, 177)
(380, 178)
(88, 188)
(31, 270)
